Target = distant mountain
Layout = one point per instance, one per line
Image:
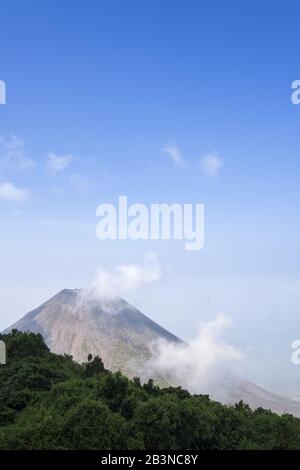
(76, 323)
(257, 397)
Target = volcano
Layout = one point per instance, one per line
(74, 322)
(77, 323)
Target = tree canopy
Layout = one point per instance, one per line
(48, 401)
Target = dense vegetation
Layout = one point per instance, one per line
(50, 402)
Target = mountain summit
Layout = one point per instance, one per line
(77, 323)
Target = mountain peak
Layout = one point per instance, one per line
(76, 322)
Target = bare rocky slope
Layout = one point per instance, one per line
(72, 322)
(75, 323)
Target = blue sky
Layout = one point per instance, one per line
(106, 85)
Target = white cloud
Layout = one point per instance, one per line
(204, 365)
(10, 192)
(211, 164)
(56, 163)
(12, 153)
(125, 278)
(171, 149)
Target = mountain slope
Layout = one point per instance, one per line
(75, 323)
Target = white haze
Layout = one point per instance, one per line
(205, 365)
(110, 284)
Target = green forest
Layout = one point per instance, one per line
(48, 401)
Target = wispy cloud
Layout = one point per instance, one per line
(13, 153)
(57, 163)
(79, 181)
(202, 366)
(211, 164)
(108, 284)
(172, 150)
(12, 193)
